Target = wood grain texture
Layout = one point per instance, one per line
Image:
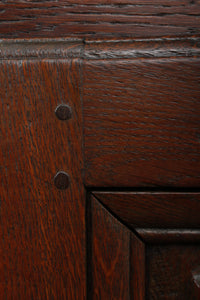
(170, 272)
(165, 267)
(99, 18)
(154, 209)
(42, 228)
(138, 268)
(90, 49)
(141, 129)
(117, 258)
(141, 48)
(141, 122)
(110, 248)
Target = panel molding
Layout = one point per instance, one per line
(97, 49)
(41, 48)
(117, 257)
(178, 235)
(141, 246)
(157, 210)
(174, 210)
(141, 48)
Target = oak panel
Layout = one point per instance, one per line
(95, 18)
(138, 268)
(173, 272)
(117, 258)
(164, 263)
(162, 210)
(42, 228)
(110, 250)
(141, 122)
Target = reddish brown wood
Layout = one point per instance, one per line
(118, 258)
(141, 122)
(140, 86)
(110, 243)
(99, 18)
(138, 268)
(167, 271)
(171, 270)
(42, 229)
(141, 48)
(154, 209)
(41, 48)
(93, 49)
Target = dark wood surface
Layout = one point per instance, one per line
(129, 71)
(126, 48)
(149, 264)
(122, 18)
(171, 270)
(117, 268)
(41, 48)
(110, 251)
(42, 228)
(169, 236)
(154, 209)
(141, 122)
(137, 268)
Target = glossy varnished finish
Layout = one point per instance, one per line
(135, 18)
(141, 124)
(42, 227)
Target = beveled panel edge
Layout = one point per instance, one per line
(156, 235)
(170, 209)
(94, 197)
(162, 236)
(98, 49)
